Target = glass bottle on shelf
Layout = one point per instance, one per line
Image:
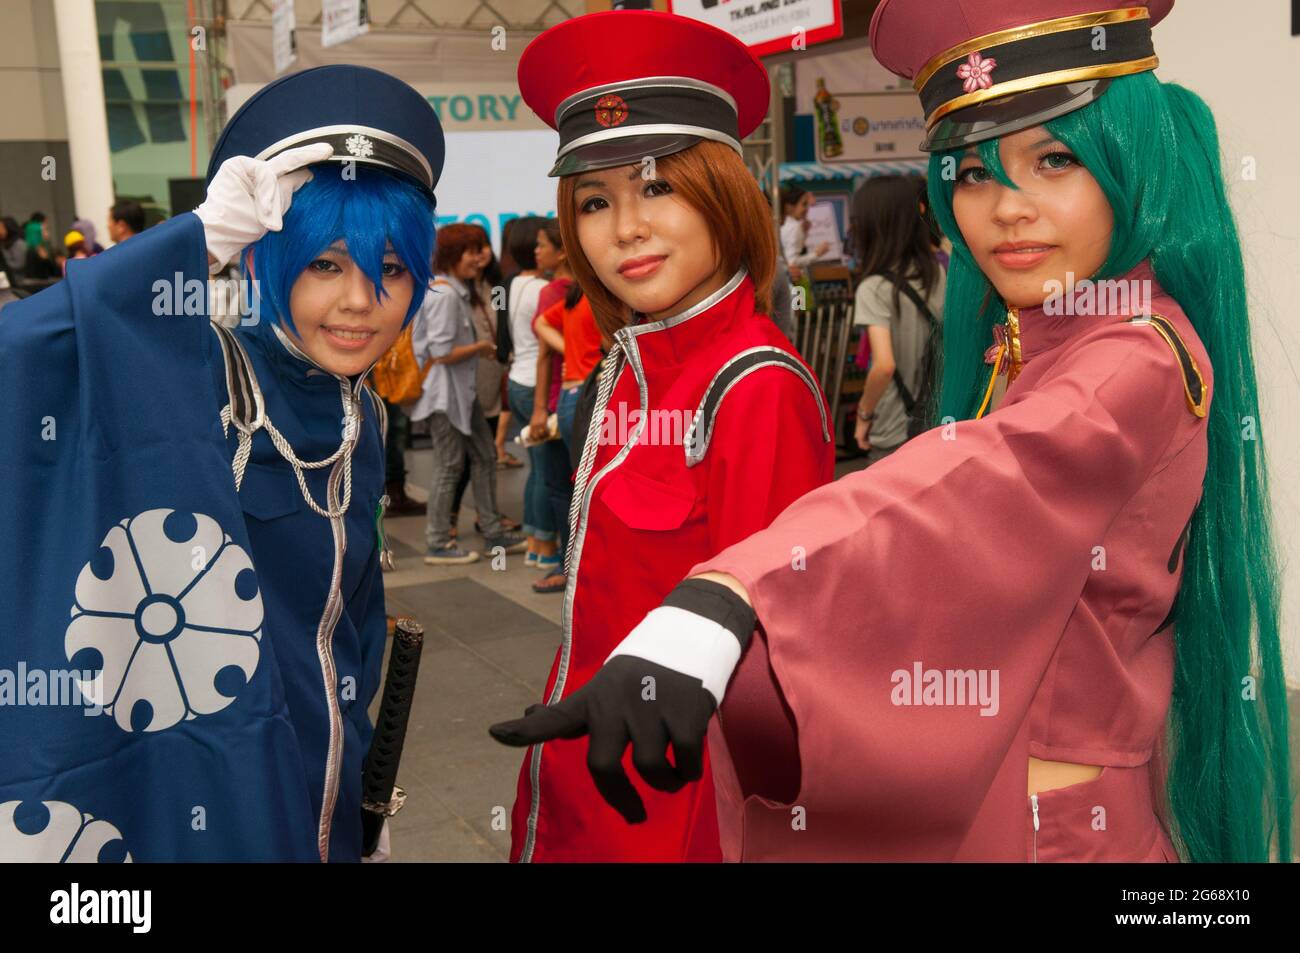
(828, 122)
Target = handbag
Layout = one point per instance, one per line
(397, 376)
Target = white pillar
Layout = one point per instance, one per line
(83, 103)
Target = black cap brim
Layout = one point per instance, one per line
(626, 150)
(1008, 114)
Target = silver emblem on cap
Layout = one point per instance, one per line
(359, 146)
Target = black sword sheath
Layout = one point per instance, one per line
(380, 796)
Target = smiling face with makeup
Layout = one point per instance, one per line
(339, 323)
(650, 248)
(1058, 221)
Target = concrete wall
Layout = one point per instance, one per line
(32, 122)
(1244, 66)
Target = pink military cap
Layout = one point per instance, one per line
(985, 68)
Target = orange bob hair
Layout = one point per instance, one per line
(713, 180)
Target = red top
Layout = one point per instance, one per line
(552, 295)
(645, 518)
(581, 337)
(1041, 543)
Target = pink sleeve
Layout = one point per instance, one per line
(968, 549)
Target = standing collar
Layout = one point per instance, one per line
(671, 342)
(1029, 332)
(724, 300)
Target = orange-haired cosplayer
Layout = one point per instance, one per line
(706, 424)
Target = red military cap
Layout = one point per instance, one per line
(985, 68)
(625, 84)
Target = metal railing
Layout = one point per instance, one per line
(822, 337)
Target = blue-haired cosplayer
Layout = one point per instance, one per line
(194, 619)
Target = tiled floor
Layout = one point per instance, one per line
(490, 642)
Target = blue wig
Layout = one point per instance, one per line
(367, 212)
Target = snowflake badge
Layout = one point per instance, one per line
(54, 832)
(359, 146)
(976, 72)
(172, 609)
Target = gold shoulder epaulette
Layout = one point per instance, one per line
(1193, 383)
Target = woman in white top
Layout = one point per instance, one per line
(539, 524)
(795, 203)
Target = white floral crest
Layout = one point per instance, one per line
(359, 146)
(173, 608)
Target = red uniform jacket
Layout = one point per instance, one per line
(1041, 545)
(657, 498)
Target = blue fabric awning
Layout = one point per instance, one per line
(827, 171)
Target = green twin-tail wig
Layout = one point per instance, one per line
(1153, 148)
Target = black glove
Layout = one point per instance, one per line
(628, 700)
(637, 700)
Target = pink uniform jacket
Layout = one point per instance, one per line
(653, 503)
(991, 591)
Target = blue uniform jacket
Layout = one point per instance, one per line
(184, 669)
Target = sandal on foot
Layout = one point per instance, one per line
(557, 581)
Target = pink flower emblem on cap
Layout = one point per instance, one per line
(975, 71)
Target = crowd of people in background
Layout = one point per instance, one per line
(498, 342)
(31, 260)
(508, 345)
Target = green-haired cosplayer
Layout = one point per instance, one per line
(1046, 629)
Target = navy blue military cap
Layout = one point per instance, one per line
(365, 114)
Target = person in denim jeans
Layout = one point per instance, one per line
(444, 337)
(539, 525)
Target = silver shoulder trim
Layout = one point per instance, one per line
(700, 434)
(241, 382)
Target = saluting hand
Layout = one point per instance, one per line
(248, 197)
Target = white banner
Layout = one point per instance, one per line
(342, 20)
(870, 126)
(492, 177)
(284, 44)
(824, 229)
(461, 107)
(768, 26)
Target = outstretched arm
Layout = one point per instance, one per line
(890, 564)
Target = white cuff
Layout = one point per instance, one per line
(686, 643)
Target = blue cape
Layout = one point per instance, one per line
(188, 615)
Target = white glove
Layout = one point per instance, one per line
(248, 197)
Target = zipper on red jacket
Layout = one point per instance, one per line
(1033, 800)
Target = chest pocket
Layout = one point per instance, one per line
(268, 493)
(643, 502)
